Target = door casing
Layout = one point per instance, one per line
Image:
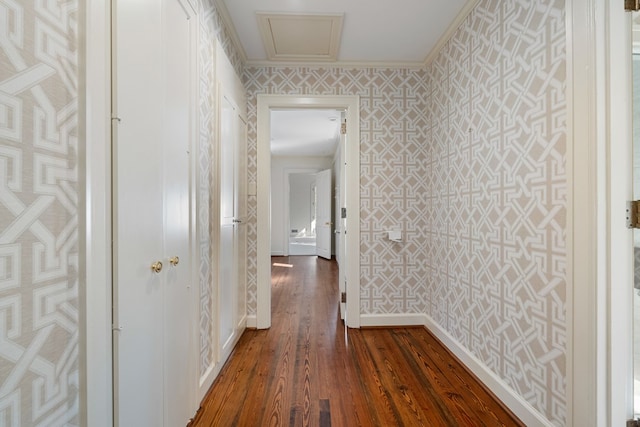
(351, 104)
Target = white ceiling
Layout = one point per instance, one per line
(307, 132)
(374, 31)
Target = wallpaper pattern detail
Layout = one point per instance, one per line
(497, 204)
(206, 122)
(211, 28)
(468, 159)
(393, 129)
(39, 374)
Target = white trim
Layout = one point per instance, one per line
(95, 234)
(453, 27)
(252, 321)
(615, 188)
(337, 64)
(270, 40)
(227, 23)
(390, 320)
(588, 330)
(352, 106)
(521, 408)
(193, 365)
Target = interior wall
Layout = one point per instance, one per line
(393, 127)
(300, 204)
(210, 31)
(280, 164)
(39, 305)
(497, 198)
(468, 159)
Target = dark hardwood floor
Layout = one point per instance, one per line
(306, 371)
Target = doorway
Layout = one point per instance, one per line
(267, 104)
(301, 205)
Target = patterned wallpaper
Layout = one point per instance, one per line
(39, 378)
(497, 205)
(467, 158)
(211, 29)
(393, 127)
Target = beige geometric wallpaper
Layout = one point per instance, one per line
(210, 30)
(468, 159)
(393, 129)
(497, 208)
(39, 378)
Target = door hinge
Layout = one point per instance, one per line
(343, 297)
(343, 126)
(631, 5)
(343, 213)
(632, 423)
(633, 214)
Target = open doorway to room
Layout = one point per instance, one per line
(281, 159)
(305, 147)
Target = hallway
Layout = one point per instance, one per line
(303, 372)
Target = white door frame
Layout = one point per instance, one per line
(599, 262)
(615, 249)
(351, 104)
(94, 205)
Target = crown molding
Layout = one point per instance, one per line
(228, 23)
(453, 27)
(335, 64)
(442, 41)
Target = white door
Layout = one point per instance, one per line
(324, 227)
(232, 169)
(241, 222)
(227, 267)
(179, 323)
(154, 380)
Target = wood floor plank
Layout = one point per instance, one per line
(304, 370)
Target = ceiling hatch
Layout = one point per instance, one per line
(300, 37)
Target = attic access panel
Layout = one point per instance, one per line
(300, 37)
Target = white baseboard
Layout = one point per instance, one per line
(278, 253)
(387, 320)
(206, 380)
(252, 321)
(520, 407)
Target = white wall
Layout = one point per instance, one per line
(279, 167)
(300, 206)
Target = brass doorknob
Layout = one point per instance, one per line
(156, 267)
(174, 260)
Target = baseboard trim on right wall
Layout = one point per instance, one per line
(520, 407)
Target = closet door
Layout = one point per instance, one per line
(241, 222)
(179, 321)
(227, 289)
(233, 228)
(232, 167)
(138, 214)
(154, 336)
